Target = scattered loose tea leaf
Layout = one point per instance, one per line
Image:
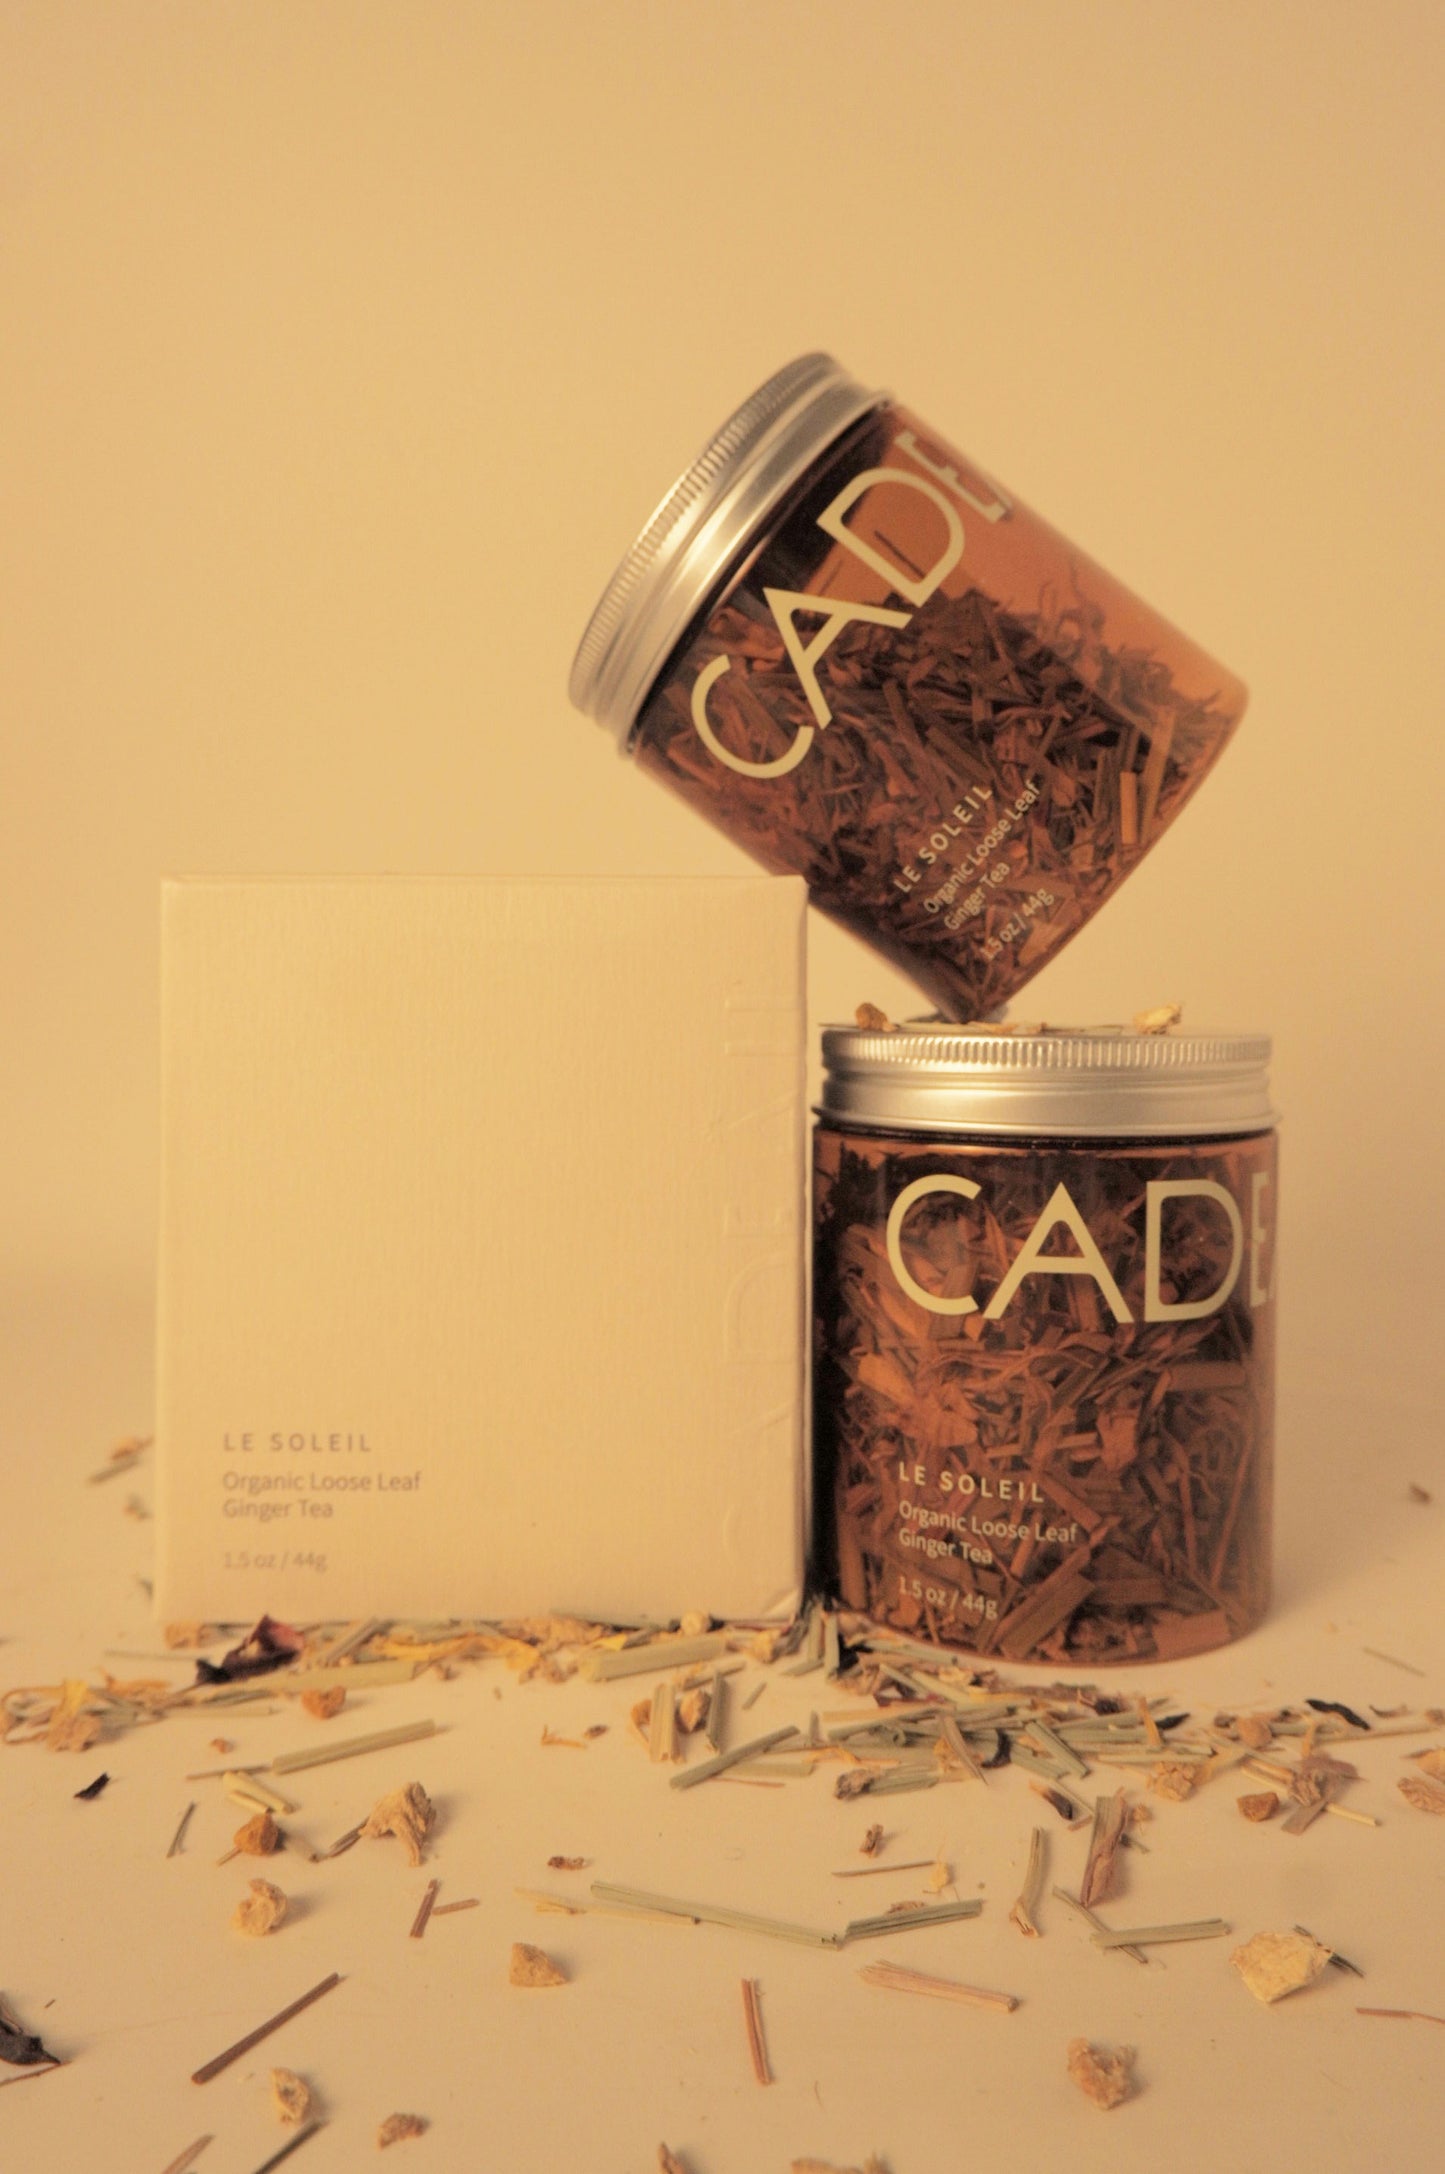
(352, 1747)
(668, 2161)
(407, 1813)
(1096, 1924)
(92, 1789)
(446, 1909)
(1335, 1706)
(290, 2096)
(1100, 1867)
(399, 2128)
(1418, 1494)
(185, 2160)
(261, 1911)
(872, 1841)
(325, 1705)
(221, 1745)
(1102, 2073)
(568, 1864)
(897, 1978)
(178, 1838)
(302, 2136)
(1425, 1793)
(1274, 1964)
(753, 2024)
(1022, 1913)
(424, 1909)
(1262, 1805)
(532, 1966)
(125, 1454)
(269, 1646)
(263, 2030)
(1153, 1936)
(1402, 2015)
(19, 2047)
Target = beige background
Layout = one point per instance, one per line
(345, 346)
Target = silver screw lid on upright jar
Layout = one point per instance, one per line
(1078, 1082)
(701, 525)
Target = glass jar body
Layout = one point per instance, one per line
(1044, 1386)
(914, 693)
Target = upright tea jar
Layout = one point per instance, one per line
(1044, 1290)
(873, 667)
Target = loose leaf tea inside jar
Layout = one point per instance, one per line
(1044, 1368)
(873, 667)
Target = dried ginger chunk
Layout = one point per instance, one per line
(695, 1624)
(1275, 1963)
(325, 1704)
(262, 1911)
(691, 1709)
(259, 1837)
(531, 1966)
(872, 1020)
(1263, 1804)
(290, 2095)
(1424, 1793)
(397, 2128)
(1255, 1731)
(408, 1814)
(1175, 1779)
(1159, 1019)
(1102, 2073)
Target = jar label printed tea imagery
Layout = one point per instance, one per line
(1044, 1390)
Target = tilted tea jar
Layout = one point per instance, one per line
(873, 667)
(1044, 1366)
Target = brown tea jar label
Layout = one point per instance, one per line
(1045, 1389)
(957, 727)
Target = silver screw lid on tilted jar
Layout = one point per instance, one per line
(1068, 1082)
(710, 514)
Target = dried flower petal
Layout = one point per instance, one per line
(1273, 1964)
(1263, 1804)
(532, 1966)
(1102, 2072)
(1432, 1761)
(324, 1704)
(262, 1910)
(408, 1814)
(260, 1837)
(397, 2128)
(290, 2095)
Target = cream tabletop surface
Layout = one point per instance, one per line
(122, 1956)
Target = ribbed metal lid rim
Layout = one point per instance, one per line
(1092, 1082)
(652, 591)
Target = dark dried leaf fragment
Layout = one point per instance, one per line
(92, 1789)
